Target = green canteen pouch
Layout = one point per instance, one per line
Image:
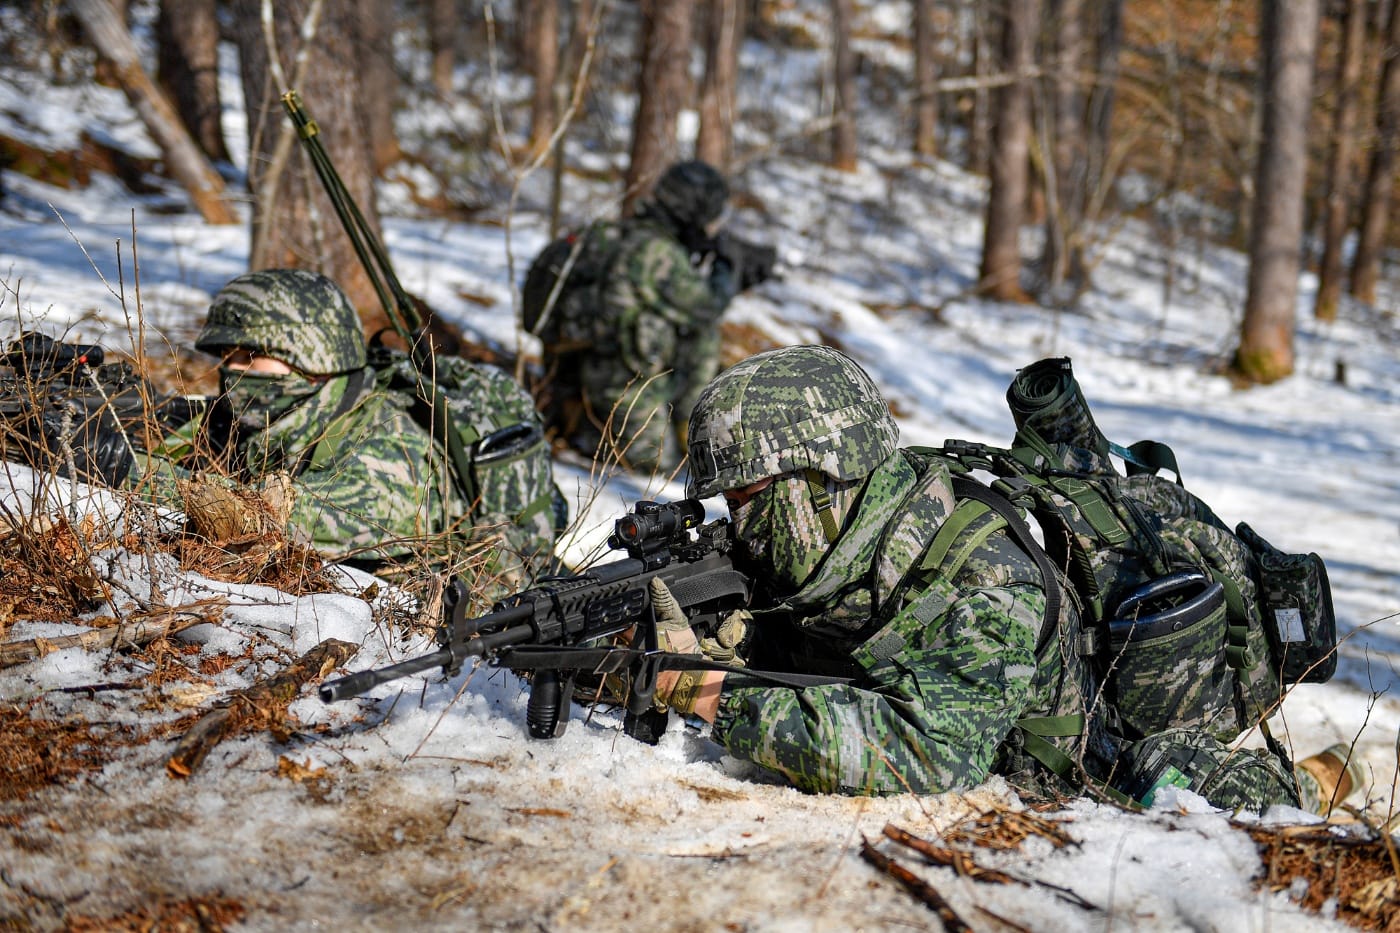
(1166, 642)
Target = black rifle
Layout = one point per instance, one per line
(753, 263)
(58, 397)
(557, 625)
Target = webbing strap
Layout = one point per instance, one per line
(952, 531)
(967, 488)
(1035, 729)
(336, 428)
(1237, 653)
(821, 501)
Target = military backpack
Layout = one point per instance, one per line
(562, 283)
(1183, 627)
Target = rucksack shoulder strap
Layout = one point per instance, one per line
(961, 534)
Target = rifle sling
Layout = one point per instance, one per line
(609, 660)
(709, 587)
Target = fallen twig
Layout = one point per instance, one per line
(915, 886)
(133, 632)
(263, 705)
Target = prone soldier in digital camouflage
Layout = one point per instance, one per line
(372, 486)
(951, 675)
(636, 349)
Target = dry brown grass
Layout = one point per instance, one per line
(1362, 876)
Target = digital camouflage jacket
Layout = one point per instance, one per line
(373, 486)
(942, 668)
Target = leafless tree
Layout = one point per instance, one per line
(374, 58)
(1341, 158)
(187, 69)
(543, 41)
(663, 88)
(925, 77)
(1062, 261)
(724, 33)
(108, 33)
(310, 46)
(443, 23)
(1000, 275)
(1288, 45)
(1376, 198)
(980, 22)
(843, 80)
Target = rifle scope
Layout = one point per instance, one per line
(653, 523)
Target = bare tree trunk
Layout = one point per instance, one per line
(724, 34)
(1380, 179)
(442, 42)
(294, 225)
(572, 79)
(374, 61)
(544, 45)
(1062, 259)
(979, 134)
(189, 166)
(1289, 43)
(925, 79)
(1341, 156)
(187, 69)
(1108, 28)
(1001, 255)
(843, 69)
(663, 85)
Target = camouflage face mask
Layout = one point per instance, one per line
(753, 531)
(778, 534)
(258, 399)
(797, 543)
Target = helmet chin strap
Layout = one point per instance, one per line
(821, 501)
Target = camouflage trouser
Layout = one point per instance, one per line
(1251, 779)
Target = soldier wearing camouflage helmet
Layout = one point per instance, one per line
(644, 340)
(939, 625)
(299, 394)
(833, 521)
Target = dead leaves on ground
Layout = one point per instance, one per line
(1315, 864)
(36, 751)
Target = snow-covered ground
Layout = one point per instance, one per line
(426, 806)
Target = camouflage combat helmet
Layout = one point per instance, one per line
(297, 316)
(692, 194)
(796, 408)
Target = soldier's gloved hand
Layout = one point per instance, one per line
(729, 639)
(683, 691)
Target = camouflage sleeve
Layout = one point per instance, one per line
(375, 494)
(156, 471)
(944, 682)
(675, 289)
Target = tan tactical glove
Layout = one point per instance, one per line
(723, 646)
(683, 691)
